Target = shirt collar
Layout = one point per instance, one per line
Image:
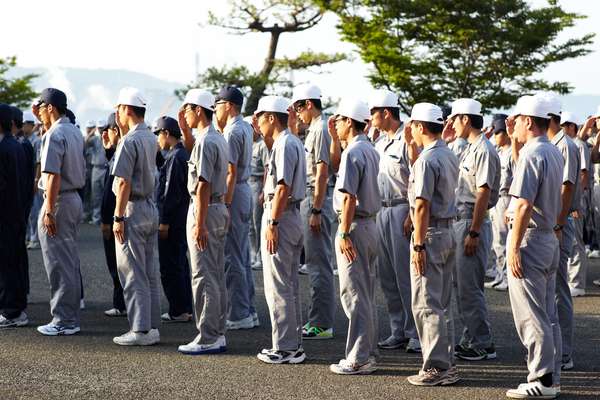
(316, 121)
(558, 137)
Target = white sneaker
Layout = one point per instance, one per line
(255, 320)
(335, 272)
(532, 390)
(596, 282)
(168, 318)
(303, 270)
(245, 323)
(281, 356)
(344, 367)
(138, 338)
(195, 349)
(576, 292)
(413, 346)
(502, 286)
(490, 284)
(257, 266)
(115, 312)
(594, 254)
(55, 330)
(21, 320)
(33, 245)
(81, 304)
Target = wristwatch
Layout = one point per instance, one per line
(558, 227)
(474, 234)
(344, 235)
(315, 211)
(273, 222)
(118, 219)
(417, 248)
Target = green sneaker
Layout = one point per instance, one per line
(314, 332)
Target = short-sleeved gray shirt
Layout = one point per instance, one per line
(479, 167)
(239, 136)
(433, 177)
(209, 160)
(260, 158)
(572, 165)
(459, 146)
(357, 176)
(536, 180)
(97, 152)
(135, 161)
(62, 154)
(316, 144)
(394, 166)
(287, 164)
(507, 168)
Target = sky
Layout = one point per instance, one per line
(162, 38)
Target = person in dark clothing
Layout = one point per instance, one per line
(172, 199)
(110, 138)
(13, 271)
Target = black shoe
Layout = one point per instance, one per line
(470, 354)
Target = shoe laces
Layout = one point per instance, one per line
(432, 372)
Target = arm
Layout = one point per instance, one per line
(566, 197)
(522, 215)
(481, 202)
(202, 199)
(585, 175)
(278, 206)
(123, 192)
(346, 218)
(335, 148)
(319, 196)
(186, 131)
(421, 219)
(52, 189)
(231, 178)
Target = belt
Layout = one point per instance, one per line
(135, 197)
(393, 202)
(214, 199)
(530, 226)
(504, 193)
(357, 216)
(441, 222)
(68, 191)
(291, 205)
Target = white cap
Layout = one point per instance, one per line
(567, 116)
(29, 117)
(553, 104)
(383, 98)
(249, 119)
(356, 109)
(465, 106)
(200, 97)
(533, 106)
(306, 92)
(275, 104)
(90, 124)
(597, 114)
(427, 112)
(130, 96)
(100, 123)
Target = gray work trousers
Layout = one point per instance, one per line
(533, 305)
(98, 174)
(280, 276)
(393, 265)
(499, 233)
(256, 186)
(431, 299)
(577, 264)
(470, 276)
(564, 301)
(238, 270)
(209, 291)
(61, 260)
(137, 265)
(317, 256)
(357, 290)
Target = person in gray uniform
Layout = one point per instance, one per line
(499, 226)
(578, 261)
(136, 220)
(396, 156)
(260, 158)
(564, 228)
(29, 122)
(206, 221)
(532, 249)
(281, 231)
(356, 201)
(63, 174)
(477, 192)
(90, 129)
(431, 192)
(99, 163)
(317, 213)
(238, 269)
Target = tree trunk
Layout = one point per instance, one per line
(259, 90)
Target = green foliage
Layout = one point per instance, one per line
(15, 91)
(437, 51)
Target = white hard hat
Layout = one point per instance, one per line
(465, 106)
(90, 124)
(382, 98)
(553, 104)
(306, 92)
(100, 123)
(356, 109)
(130, 96)
(249, 119)
(567, 116)
(597, 114)
(533, 106)
(427, 112)
(276, 104)
(200, 97)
